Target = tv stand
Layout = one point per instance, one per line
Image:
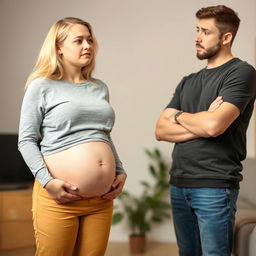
(16, 228)
(15, 186)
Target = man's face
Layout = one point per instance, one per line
(208, 39)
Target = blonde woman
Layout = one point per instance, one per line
(64, 137)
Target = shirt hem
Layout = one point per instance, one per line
(50, 152)
(199, 183)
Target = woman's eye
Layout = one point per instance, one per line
(90, 41)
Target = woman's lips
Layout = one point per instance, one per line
(87, 54)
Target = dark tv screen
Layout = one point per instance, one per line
(13, 168)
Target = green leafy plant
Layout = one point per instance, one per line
(150, 206)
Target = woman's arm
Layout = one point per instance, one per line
(31, 117)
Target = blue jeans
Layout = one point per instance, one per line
(204, 220)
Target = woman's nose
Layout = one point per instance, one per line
(86, 45)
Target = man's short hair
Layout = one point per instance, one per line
(226, 19)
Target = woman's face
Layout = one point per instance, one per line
(77, 49)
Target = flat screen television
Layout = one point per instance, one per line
(14, 173)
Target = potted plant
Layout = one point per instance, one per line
(142, 211)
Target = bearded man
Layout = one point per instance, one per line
(207, 119)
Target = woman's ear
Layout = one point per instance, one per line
(58, 48)
(227, 38)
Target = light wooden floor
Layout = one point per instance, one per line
(153, 249)
(114, 249)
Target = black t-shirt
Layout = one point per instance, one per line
(214, 161)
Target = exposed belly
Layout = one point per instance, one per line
(89, 166)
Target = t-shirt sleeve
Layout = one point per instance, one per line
(32, 112)
(240, 86)
(175, 101)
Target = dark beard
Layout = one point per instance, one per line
(210, 53)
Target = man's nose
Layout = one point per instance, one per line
(198, 37)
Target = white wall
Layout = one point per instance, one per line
(146, 46)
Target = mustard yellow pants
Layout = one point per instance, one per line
(79, 228)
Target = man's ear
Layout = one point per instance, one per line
(227, 38)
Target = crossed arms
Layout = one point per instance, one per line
(210, 123)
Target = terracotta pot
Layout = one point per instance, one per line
(137, 243)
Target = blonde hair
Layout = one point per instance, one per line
(49, 63)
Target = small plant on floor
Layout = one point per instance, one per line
(150, 207)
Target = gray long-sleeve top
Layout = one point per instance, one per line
(61, 114)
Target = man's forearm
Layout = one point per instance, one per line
(198, 123)
(168, 131)
(187, 126)
(210, 123)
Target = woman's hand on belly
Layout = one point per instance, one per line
(62, 192)
(116, 187)
(90, 167)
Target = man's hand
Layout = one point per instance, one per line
(215, 104)
(62, 192)
(116, 187)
